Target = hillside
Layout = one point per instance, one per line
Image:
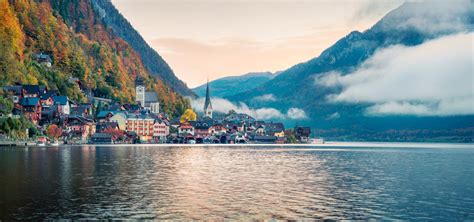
(409, 25)
(153, 62)
(81, 45)
(232, 85)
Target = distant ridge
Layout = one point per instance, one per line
(232, 85)
(405, 25)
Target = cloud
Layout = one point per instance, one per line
(431, 17)
(265, 98)
(333, 116)
(373, 10)
(266, 113)
(296, 113)
(432, 79)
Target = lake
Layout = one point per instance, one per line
(380, 181)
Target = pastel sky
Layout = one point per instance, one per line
(216, 38)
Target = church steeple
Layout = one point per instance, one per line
(207, 103)
(140, 91)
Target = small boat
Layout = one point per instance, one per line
(40, 144)
(191, 141)
(41, 141)
(55, 143)
(317, 141)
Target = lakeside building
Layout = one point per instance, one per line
(302, 133)
(31, 108)
(130, 123)
(185, 128)
(142, 125)
(80, 128)
(147, 99)
(149, 128)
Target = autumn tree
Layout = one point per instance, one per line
(188, 115)
(11, 44)
(53, 131)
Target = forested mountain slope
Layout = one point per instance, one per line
(80, 44)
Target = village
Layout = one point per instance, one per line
(59, 120)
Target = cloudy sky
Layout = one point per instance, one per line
(215, 38)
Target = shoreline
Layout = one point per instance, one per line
(328, 144)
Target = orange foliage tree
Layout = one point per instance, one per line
(54, 131)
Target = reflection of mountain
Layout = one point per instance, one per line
(235, 84)
(411, 24)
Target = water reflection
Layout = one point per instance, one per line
(235, 183)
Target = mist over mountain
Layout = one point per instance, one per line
(317, 86)
(232, 85)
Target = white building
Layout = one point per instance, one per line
(147, 99)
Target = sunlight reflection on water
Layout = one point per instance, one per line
(236, 183)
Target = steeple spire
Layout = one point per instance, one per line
(207, 102)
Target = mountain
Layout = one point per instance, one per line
(232, 85)
(81, 45)
(411, 24)
(153, 62)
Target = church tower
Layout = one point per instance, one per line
(207, 103)
(140, 91)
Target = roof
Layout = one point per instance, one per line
(151, 97)
(48, 94)
(140, 116)
(104, 113)
(115, 107)
(80, 119)
(79, 110)
(131, 108)
(264, 138)
(42, 57)
(62, 100)
(34, 89)
(185, 126)
(275, 127)
(139, 81)
(29, 101)
(302, 130)
(238, 116)
(101, 135)
(15, 89)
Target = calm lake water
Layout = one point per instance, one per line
(237, 183)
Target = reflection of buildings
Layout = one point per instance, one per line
(147, 99)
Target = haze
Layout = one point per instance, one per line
(212, 39)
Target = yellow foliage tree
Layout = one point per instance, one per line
(11, 43)
(188, 115)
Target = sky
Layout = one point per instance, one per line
(203, 39)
